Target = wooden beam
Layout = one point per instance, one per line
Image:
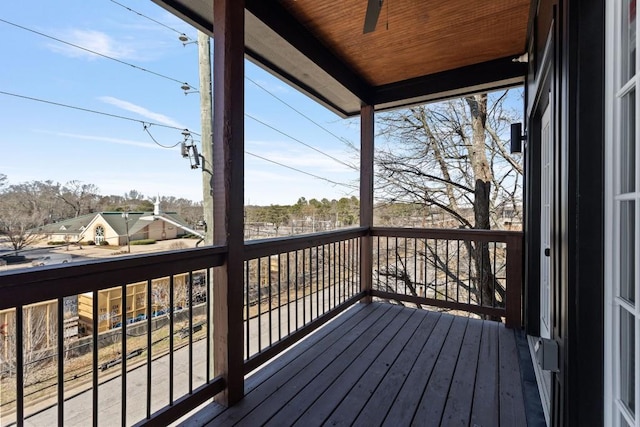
(228, 194)
(280, 20)
(367, 125)
(495, 74)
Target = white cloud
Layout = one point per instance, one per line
(128, 106)
(96, 41)
(105, 139)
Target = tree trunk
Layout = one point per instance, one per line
(482, 196)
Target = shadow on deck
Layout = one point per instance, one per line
(383, 364)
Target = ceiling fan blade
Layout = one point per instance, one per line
(371, 17)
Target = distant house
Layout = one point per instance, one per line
(114, 227)
(111, 227)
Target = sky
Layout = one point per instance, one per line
(41, 141)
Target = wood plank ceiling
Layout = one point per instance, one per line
(415, 38)
(421, 50)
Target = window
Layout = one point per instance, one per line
(622, 281)
(98, 235)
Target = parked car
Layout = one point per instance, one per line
(51, 259)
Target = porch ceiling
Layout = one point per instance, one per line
(421, 50)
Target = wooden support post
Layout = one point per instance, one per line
(366, 197)
(514, 282)
(228, 194)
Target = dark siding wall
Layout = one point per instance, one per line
(583, 182)
(576, 81)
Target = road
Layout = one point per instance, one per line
(78, 409)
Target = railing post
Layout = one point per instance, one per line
(514, 282)
(228, 195)
(366, 197)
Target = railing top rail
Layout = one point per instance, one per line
(50, 282)
(266, 247)
(448, 233)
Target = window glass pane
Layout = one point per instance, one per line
(628, 39)
(623, 421)
(627, 254)
(628, 143)
(627, 360)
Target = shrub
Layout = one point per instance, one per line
(178, 245)
(56, 242)
(104, 243)
(91, 243)
(142, 242)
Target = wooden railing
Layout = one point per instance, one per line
(473, 271)
(157, 303)
(294, 285)
(291, 287)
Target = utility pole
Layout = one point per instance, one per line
(206, 119)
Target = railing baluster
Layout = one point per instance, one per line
(446, 272)
(94, 376)
(457, 270)
(208, 288)
(318, 283)
(304, 283)
(341, 272)
(310, 284)
(123, 355)
(19, 366)
(329, 261)
(270, 302)
(171, 332)
(60, 328)
(324, 282)
(425, 260)
(435, 269)
(288, 293)
(149, 349)
(297, 274)
(259, 318)
(279, 301)
(190, 302)
(247, 299)
(495, 277)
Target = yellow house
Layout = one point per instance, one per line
(110, 307)
(39, 330)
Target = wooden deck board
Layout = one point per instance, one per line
(485, 406)
(369, 367)
(339, 373)
(370, 398)
(457, 411)
(431, 406)
(387, 365)
(512, 412)
(288, 387)
(404, 406)
(271, 384)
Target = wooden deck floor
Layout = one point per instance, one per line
(382, 364)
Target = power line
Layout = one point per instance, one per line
(146, 125)
(303, 143)
(343, 140)
(339, 138)
(97, 53)
(59, 104)
(146, 129)
(303, 172)
(145, 16)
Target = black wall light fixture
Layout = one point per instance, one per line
(516, 138)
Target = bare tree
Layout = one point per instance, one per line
(451, 158)
(81, 198)
(21, 213)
